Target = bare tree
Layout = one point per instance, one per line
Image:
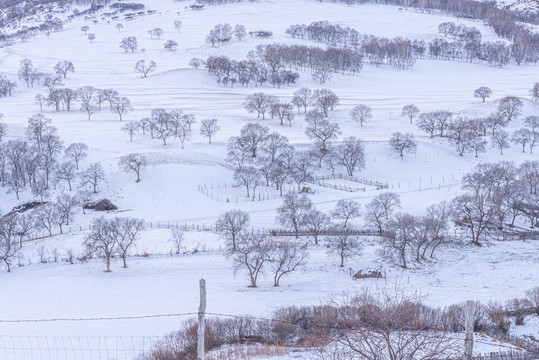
(483, 92)
(51, 81)
(176, 234)
(46, 216)
(316, 223)
(286, 257)
(65, 207)
(119, 27)
(510, 107)
(170, 45)
(93, 175)
(350, 154)
(231, 224)
(121, 106)
(177, 25)
(252, 252)
(410, 111)
(253, 135)
(399, 236)
(346, 210)
(39, 188)
(9, 244)
(380, 208)
(130, 128)
(40, 100)
(133, 163)
(534, 92)
(321, 130)
(208, 128)
(64, 67)
(89, 109)
(85, 29)
(84, 196)
(91, 37)
(283, 111)
(293, 212)
(110, 95)
(26, 71)
(300, 168)
(259, 102)
(77, 152)
(239, 32)
(129, 44)
(361, 113)
(500, 139)
(326, 100)
(101, 239)
(66, 171)
(249, 177)
(402, 142)
(302, 98)
(127, 232)
(344, 246)
(532, 122)
(145, 69)
(427, 122)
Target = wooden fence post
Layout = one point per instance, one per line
(468, 339)
(201, 320)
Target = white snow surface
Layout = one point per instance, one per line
(191, 186)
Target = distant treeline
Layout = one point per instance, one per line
(402, 53)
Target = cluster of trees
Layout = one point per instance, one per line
(245, 72)
(51, 24)
(6, 86)
(129, 44)
(113, 237)
(460, 31)
(257, 252)
(496, 195)
(323, 101)
(163, 124)
(38, 160)
(415, 238)
(259, 157)
(90, 98)
(399, 52)
(404, 237)
(272, 63)
(30, 75)
(16, 227)
(223, 33)
(468, 135)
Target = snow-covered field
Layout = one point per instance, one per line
(191, 186)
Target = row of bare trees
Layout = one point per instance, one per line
(496, 195)
(272, 63)
(110, 237)
(38, 160)
(402, 53)
(506, 23)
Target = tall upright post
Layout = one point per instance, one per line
(468, 339)
(201, 320)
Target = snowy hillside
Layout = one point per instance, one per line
(192, 184)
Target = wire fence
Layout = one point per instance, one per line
(136, 347)
(75, 347)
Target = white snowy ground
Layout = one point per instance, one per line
(169, 191)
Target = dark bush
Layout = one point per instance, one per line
(101, 205)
